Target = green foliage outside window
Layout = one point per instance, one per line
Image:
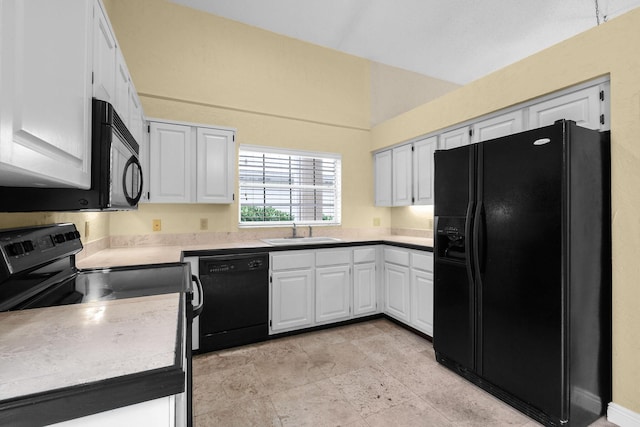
(253, 213)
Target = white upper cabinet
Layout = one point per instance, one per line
(383, 178)
(123, 87)
(496, 127)
(402, 172)
(104, 58)
(191, 164)
(216, 165)
(423, 170)
(170, 165)
(45, 93)
(136, 117)
(455, 138)
(586, 107)
(56, 56)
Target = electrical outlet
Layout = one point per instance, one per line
(204, 224)
(87, 229)
(376, 222)
(156, 225)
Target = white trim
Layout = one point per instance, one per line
(622, 416)
(289, 151)
(190, 124)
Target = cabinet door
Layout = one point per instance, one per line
(364, 289)
(45, 93)
(216, 165)
(136, 116)
(104, 57)
(122, 98)
(170, 154)
(402, 175)
(423, 170)
(422, 301)
(495, 127)
(383, 178)
(333, 291)
(291, 300)
(397, 288)
(455, 138)
(583, 107)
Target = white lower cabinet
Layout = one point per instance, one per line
(291, 300)
(422, 292)
(291, 292)
(323, 286)
(408, 284)
(396, 295)
(365, 281)
(333, 289)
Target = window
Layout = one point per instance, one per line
(281, 187)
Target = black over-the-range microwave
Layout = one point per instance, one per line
(116, 174)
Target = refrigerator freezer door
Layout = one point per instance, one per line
(453, 170)
(520, 294)
(454, 289)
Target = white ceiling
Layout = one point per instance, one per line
(454, 40)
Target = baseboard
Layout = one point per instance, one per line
(622, 416)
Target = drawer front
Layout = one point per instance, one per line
(364, 255)
(333, 257)
(396, 256)
(422, 261)
(291, 260)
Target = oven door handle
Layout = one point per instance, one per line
(197, 309)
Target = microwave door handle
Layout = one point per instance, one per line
(132, 162)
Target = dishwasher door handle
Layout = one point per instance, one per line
(197, 309)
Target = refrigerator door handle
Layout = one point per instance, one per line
(468, 232)
(479, 225)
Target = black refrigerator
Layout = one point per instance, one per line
(522, 270)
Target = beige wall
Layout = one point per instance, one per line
(395, 91)
(276, 91)
(611, 48)
(98, 222)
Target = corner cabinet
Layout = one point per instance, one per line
(191, 163)
(408, 284)
(45, 93)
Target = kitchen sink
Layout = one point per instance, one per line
(300, 240)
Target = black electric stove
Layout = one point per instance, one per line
(38, 269)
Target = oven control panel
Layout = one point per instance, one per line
(22, 249)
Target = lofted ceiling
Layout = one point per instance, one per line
(454, 40)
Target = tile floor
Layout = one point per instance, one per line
(373, 374)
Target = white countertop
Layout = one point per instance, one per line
(160, 254)
(44, 349)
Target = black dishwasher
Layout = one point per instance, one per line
(236, 291)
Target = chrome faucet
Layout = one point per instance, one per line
(310, 232)
(295, 231)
